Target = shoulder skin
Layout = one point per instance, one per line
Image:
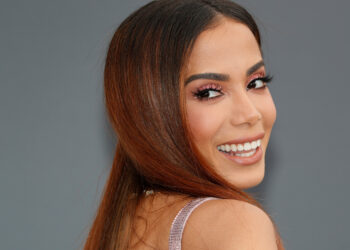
(228, 224)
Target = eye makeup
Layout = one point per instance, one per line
(208, 91)
(214, 90)
(260, 79)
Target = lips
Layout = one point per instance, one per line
(245, 161)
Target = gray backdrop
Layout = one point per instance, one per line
(56, 147)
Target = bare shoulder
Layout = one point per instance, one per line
(229, 224)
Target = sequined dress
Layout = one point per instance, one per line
(178, 224)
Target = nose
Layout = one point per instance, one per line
(244, 110)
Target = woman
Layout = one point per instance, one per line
(186, 93)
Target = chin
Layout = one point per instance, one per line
(251, 180)
(252, 184)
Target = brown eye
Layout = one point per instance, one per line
(259, 83)
(256, 84)
(208, 94)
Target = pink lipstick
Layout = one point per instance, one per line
(243, 160)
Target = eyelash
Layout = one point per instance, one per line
(204, 94)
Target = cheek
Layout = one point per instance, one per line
(204, 121)
(268, 110)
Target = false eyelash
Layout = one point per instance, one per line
(266, 80)
(199, 94)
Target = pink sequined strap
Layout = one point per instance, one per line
(178, 225)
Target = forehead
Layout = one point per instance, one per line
(228, 47)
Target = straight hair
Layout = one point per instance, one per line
(144, 95)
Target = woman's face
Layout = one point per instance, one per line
(229, 109)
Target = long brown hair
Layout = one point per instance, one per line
(146, 107)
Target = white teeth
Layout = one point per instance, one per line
(246, 154)
(247, 146)
(240, 147)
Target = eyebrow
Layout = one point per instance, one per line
(222, 77)
(255, 67)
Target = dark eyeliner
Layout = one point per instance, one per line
(203, 94)
(266, 80)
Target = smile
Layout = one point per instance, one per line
(245, 149)
(244, 154)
